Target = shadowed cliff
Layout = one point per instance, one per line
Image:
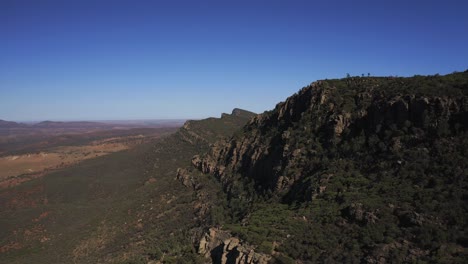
(374, 168)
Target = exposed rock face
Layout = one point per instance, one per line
(206, 165)
(222, 248)
(185, 178)
(188, 134)
(276, 144)
(374, 163)
(357, 213)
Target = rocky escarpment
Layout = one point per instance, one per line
(207, 131)
(277, 147)
(222, 248)
(216, 244)
(365, 170)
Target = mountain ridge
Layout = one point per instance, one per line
(394, 107)
(360, 170)
(10, 124)
(208, 131)
(358, 157)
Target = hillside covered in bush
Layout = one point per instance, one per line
(355, 170)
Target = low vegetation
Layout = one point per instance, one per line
(355, 170)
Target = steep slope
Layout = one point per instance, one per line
(354, 170)
(126, 207)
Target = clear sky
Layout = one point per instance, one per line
(109, 59)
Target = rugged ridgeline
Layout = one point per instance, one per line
(354, 170)
(125, 207)
(208, 131)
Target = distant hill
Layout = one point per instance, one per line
(240, 113)
(10, 124)
(208, 131)
(74, 124)
(21, 138)
(19, 128)
(90, 124)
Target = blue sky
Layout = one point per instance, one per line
(103, 59)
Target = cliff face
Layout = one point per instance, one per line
(276, 147)
(368, 170)
(222, 248)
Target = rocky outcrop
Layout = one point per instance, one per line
(373, 162)
(242, 113)
(222, 248)
(357, 213)
(275, 145)
(184, 176)
(188, 134)
(207, 165)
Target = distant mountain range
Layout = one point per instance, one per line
(87, 124)
(11, 124)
